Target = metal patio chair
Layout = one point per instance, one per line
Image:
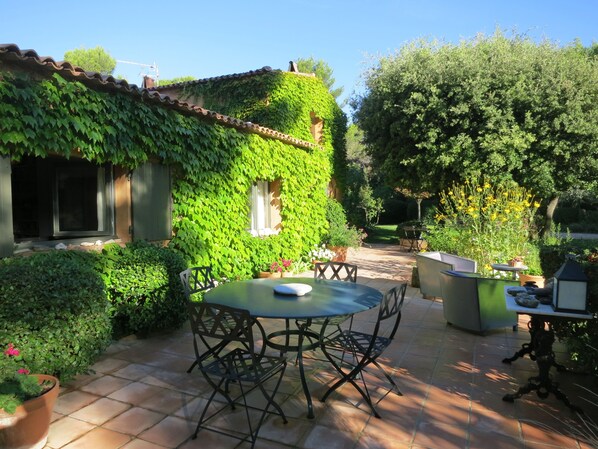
(243, 367)
(351, 352)
(338, 271)
(197, 280)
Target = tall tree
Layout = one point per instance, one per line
(93, 60)
(322, 70)
(506, 107)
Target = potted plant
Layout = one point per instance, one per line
(320, 254)
(343, 237)
(516, 262)
(26, 403)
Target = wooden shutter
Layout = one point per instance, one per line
(7, 238)
(151, 203)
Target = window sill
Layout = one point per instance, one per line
(263, 232)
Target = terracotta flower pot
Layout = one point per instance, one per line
(539, 280)
(268, 274)
(28, 427)
(341, 253)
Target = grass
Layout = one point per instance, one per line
(383, 234)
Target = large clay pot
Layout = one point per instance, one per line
(267, 274)
(341, 253)
(539, 280)
(28, 427)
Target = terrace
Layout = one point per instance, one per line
(140, 395)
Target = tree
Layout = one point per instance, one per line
(503, 107)
(179, 79)
(322, 70)
(92, 60)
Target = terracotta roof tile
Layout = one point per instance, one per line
(30, 59)
(261, 71)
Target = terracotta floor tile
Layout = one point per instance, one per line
(134, 371)
(321, 436)
(141, 444)
(291, 433)
(440, 436)
(134, 393)
(479, 439)
(169, 432)
(108, 365)
(73, 401)
(166, 401)
(379, 442)
(105, 385)
(134, 421)
(100, 411)
(99, 439)
(66, 430)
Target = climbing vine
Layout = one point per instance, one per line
(214, 166)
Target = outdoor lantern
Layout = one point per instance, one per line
(570, 291)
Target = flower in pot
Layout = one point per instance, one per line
(282, 267)
(321, 254)
(516, 261)
(26, 402)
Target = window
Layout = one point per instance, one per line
(265, 208)
(58, 198)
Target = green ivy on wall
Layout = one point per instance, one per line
(282, 101)
(214, 166)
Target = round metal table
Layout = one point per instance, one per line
(326, 299)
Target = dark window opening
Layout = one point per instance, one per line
(58, 198)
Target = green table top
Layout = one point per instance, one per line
(327, 298)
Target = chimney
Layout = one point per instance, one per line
(148, 82)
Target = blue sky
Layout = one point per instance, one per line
(211, 38)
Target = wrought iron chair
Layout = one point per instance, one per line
(197, 280)
(339, 271)
(351, 352)
(243, 366)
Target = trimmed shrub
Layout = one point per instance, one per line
(53, 308)
(143, 287)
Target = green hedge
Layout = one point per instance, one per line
(61, 308)
(53, 309)
(143, 288)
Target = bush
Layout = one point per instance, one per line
(143, 287)
(339, 232)
(53, 308)
(484, 222)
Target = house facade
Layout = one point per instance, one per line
(87, 159)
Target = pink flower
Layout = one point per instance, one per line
(286, 263)
(11, 351)
(23, 371)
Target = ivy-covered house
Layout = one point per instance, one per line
(86, 158)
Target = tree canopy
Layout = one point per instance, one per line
(505, 107)
(92, 60)
(322, 70)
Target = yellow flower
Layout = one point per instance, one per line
(479, 189)
(536, 204)
(450, 193)
(486, 186)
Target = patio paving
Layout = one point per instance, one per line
(140, 396)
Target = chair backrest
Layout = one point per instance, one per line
(197, 279)
(217, 325)
(339, 271)
(390, 307)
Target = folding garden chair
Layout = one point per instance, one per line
(242, 366)
(351, 352)
(197, 280)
